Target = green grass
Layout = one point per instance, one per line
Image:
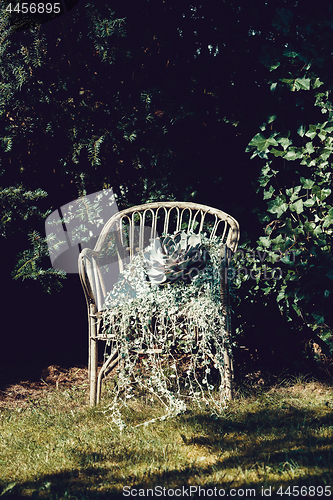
(57, 447)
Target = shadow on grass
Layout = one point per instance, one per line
(84, 485)
(266, 445)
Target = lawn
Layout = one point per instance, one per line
(54, 446)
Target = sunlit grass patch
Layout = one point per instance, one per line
(58, 447)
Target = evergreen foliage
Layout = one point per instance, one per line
(158, 100)
(295, 181)
(18, 206)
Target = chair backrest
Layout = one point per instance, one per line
(128, 232)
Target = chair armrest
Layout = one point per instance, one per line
(91, 277)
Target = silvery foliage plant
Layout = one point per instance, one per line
(176, 257)
(170, 337)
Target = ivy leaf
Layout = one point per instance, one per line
(317, 231)
(278, 240)
(271, 118)
(322, 135)
(302, 84)
(297, 206)
(329, 218)
(264, 241)
(281, 295)
(288, 81)
(309, 148)
(317, 83)
(309, 226)
(274, 66)
(319, 318)
(290, 53)
(297, 83)
(307, 183)
(329, 127)
(297, 309)
(277, 152)
(326, 153)
(312, 132)
(301, 130)
(277, 206)
(293, 154)
(285, 142)
(260, 143)
(268, 194)
(295, 192)
(321, 193)
(266, 174)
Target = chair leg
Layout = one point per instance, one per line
(228, 374)
(93, 372)
(93, 355)
(108, 365)
(228, 364)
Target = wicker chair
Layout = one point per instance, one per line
(132, 229)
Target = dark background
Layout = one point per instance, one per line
(210, 106)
